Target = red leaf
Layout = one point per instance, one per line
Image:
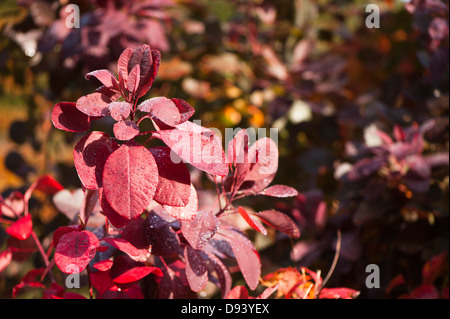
(125, 130)
(134, 79)
(101, 281)
(130, 178)
(185, 110)
(279, 221)
(13, 205)
(67, 117)
(338, 293)
(149, 61)
(162, 110)
(5, 259)
(61, 231)
(106, 77)
(94, 104)
(237, 153)
(90, 155)
(434, 268)
(122, 63)
(200, 230)
(22, 228)
(75, 250)
(238, 292)
(198, 146)
(280, 191)
(123, 245)
(263, 155)
(113, 217)
(196, 271)
(223, 274)
(45, 184)
(119, 110)
(247, 258)
(103, 265)
(256, 225)
(137, 273)
(268, 292)
(89, 202)
(185, 213)
(174, 184)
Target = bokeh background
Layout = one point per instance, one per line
(312, 69)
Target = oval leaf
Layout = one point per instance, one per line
(67, 117)
(119, 110)
(162, 110)
(279, 221)
(174, 185)
(280, 191)
(196, 271)
(90, 155)
(198, 146)
(125, 130)
(75, 250)
(200, 230)
(130, 178)
(94, 104)
(189, 211)
(247, 258)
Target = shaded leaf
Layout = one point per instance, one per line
(200, 230)
(67, 117)
(196, 271)
(279, 221)
(90, 155)
(174, 184)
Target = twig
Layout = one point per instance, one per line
(335, 260)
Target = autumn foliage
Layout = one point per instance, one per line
(118, 178)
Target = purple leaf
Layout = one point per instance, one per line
(196, 271)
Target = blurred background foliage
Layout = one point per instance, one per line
(312, 69)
